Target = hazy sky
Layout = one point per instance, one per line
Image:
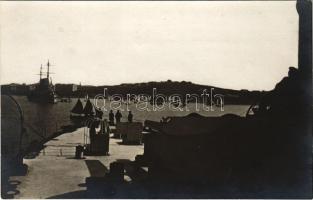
(227, 44)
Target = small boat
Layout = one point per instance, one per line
(88, 109)
(80, 112)
(77, 111)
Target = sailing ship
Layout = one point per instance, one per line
(77, 110)
(81, 112)
(43, 91)
(88, 109)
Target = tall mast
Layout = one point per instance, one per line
(40, 71)
(48, 65)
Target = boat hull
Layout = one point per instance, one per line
(42, 99)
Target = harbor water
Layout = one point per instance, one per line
(42, 121)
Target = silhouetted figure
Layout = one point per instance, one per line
(111, 117)
(118, 116)
(93, 126)
(130, 116)
(99, 113)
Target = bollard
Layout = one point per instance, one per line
(79, 150)
(117, 172)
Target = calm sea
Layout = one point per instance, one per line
(42, 120)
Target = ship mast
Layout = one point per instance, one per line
(40, 71)
(48, 65)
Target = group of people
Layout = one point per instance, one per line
(118, 115)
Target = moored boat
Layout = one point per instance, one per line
(80, 112)
(77, 110)
(88, 109)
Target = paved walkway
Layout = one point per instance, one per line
(55, 171)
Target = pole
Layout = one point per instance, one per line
(48, 65)
(40, 71)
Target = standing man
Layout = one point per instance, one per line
(118, 116)
(111, 118)
(130, 116)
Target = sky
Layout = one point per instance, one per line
(236, 45)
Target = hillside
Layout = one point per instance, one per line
(166, 88)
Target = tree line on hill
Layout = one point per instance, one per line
(166, 88)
